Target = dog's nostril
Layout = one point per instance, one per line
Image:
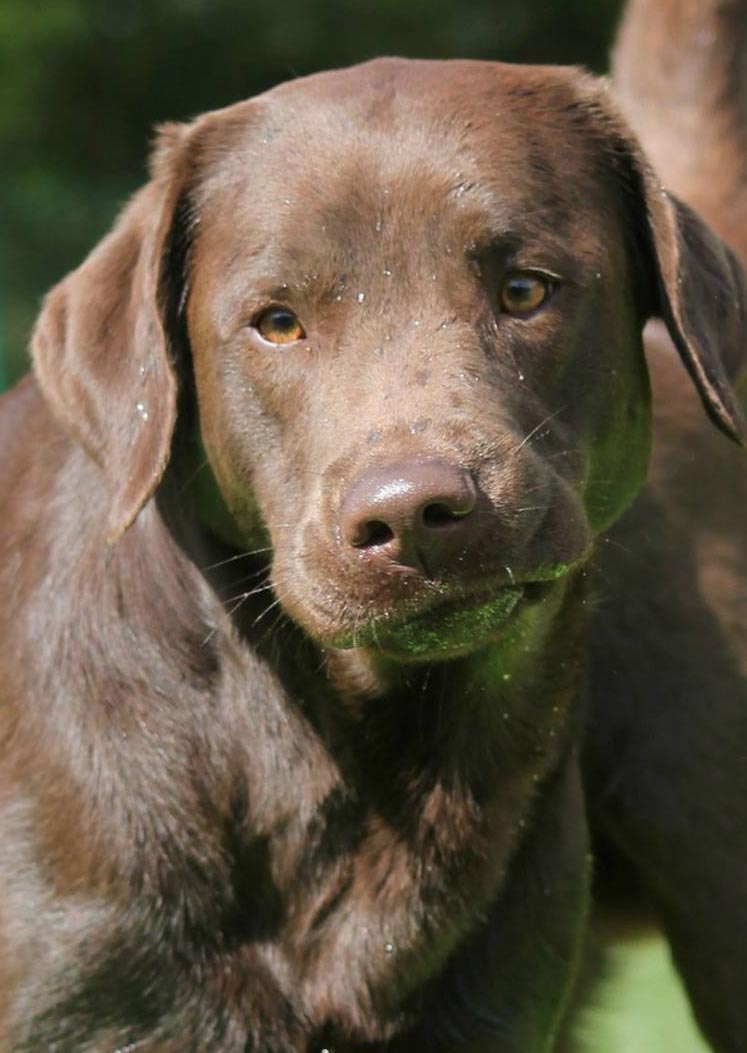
(372, 533)
(410, 513)
(439, 514)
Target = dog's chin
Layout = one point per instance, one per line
(446, 630)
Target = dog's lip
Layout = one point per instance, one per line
(451, 624)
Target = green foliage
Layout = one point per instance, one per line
(84, 81)
(641, 1007)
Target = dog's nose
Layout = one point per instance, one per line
(418, 513)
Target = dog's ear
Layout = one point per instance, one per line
(701, 295)
(686, 275)
(102, 348)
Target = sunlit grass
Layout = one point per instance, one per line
(641, 1007)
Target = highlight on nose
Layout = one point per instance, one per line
(417, 512)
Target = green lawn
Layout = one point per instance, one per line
(641, 1008)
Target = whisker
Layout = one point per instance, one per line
(265, 612)
(209, 636)
(561, 453)
(191, 478)
(239, 555)
(616, 543)
(243, 582)
(294, 632)
(242, 597)
(536, 428)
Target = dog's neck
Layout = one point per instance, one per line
(497, 684)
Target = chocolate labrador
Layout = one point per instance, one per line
(300, 535)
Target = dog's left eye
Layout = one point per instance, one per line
(278, 325)
(523, 292)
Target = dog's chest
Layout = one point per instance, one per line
(369, 908)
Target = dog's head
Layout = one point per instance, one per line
(413, 295)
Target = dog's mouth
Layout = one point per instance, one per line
(448, 628)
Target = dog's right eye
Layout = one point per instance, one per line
(278, 325)
(523, 292)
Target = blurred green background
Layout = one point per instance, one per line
(84, 81)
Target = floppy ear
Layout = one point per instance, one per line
(101, 346)
(702, 298)
(686, 275)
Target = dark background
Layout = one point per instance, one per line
(82, 82)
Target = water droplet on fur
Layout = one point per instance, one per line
(378, 351)
(379, 225)
(387, 272)
(521, 376)
(389, 948)
(140, 407)
(361, 297)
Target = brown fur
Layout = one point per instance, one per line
(259, 788)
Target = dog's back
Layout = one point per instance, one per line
(680, 70)
(669, 672)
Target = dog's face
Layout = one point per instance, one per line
(414, 300)
(414, 333)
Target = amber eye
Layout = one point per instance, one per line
(523, 292)
(278, 325)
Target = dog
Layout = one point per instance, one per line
(325, 669)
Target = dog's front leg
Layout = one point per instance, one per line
(505, 989)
